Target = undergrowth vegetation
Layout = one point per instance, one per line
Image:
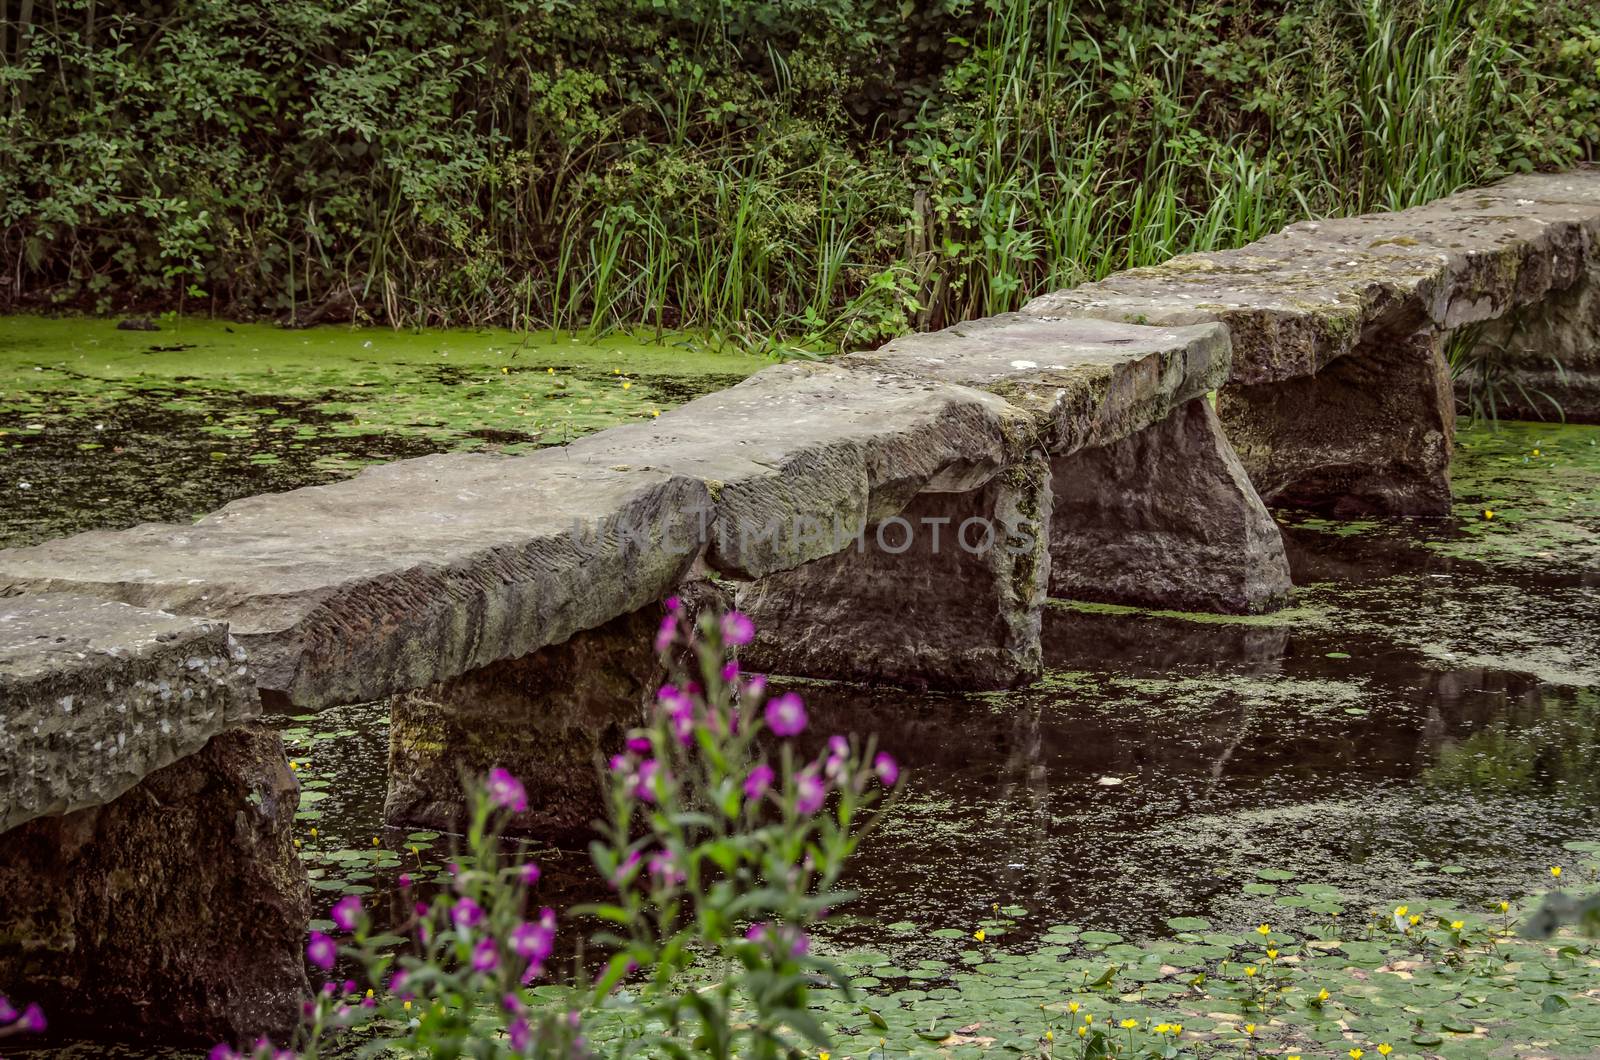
(818, 172)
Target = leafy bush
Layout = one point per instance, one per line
(832, 171)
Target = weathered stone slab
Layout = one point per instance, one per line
(1371, 434)
(1085, 382)
(548, 717)
(1299, 299)
(408, 574)
(95, 696)
(947, 593)
(1165, 518)
(800, 457)
(178, 912)
(1541, 362)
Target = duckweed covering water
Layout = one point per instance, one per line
(101, 428)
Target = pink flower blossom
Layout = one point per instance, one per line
(673, 603)
(531, 942)
(7, 1012)
(737, 629)
(466, 914)
(521, 1034)
(887, 768)
(405, 881)
(809, 792)
(759, 780)
(32, 1021)
(664, 870)
(321, 951)
(529, 871)
(624, 874)
(730, 670)
(346, 912)
(643, 786)
(639, 744)
(786, 715)
(667, 634)
(223, 1051)
(506, 791)
(485, 958)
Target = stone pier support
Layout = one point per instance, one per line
(1165, 518)
(547, 717)
(947, 594)
(178, 911)
(1542, 362)
(1368, 434)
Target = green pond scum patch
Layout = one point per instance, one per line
(1419, 979)
(101, 428)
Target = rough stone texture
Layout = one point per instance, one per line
(1314, 292)
(179, 911)
(911, 609)
(548, 717)
(1085, 382)
(1543, 361)
(1165, 518)
(408, 574)
(799, 458)
(1371, 434)
(95, 696)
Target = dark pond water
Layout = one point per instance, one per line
(1425, 721)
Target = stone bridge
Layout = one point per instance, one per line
(896, 516)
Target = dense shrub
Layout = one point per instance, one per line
(829, 170)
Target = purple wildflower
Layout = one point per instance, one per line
(466, 914)
(809, 792)
(346, 912)
(644, 782)
(624, 874)
(530, 873)
(506, 791)
(321, 951)
(759, 780)
(730, 670)
(664, 870)
(521, 1034)
(800, 944)
(531, 942)
(485, 958)
(737, 628)
(887, 768)
(639, 744)
(673, 603)
(621, 764)
(786, 715)
(32, 1021)
(666, 634)
(7, 1012)
(405, 881)
(222, 1051)
(756, 932)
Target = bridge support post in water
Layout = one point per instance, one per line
(947, 594)
(1368, 434)
(178, 910)
(548, 717)
(1165, 518)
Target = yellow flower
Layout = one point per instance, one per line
(1323, 995)
(1088, 1018)
(1504, 906)
(824, 1056)
(1250, 971)
(1385, 1049)
(996, 907)
(297, 844)
(313, 833)
(1177, 1028)
(1049, 1036)
(294, 765)
(626, 385)
(1249, 1028)
(550, 371)
(408, 1006)
(1072, 1006)
(1488, 513)
(1457, 925)
(1401, 910)
(504, 370)
(369, 991)
(1272, 955)
(1357, 1054)
(1130, 1024)
(1264, 929)
(1535, 453)
(655, 413)
(415, 851)
(1082, 1031)
(979, 935)
(1162, 1028)
(1293, 1056)
(616, 371)
(1555, 870)
(1415, 919)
